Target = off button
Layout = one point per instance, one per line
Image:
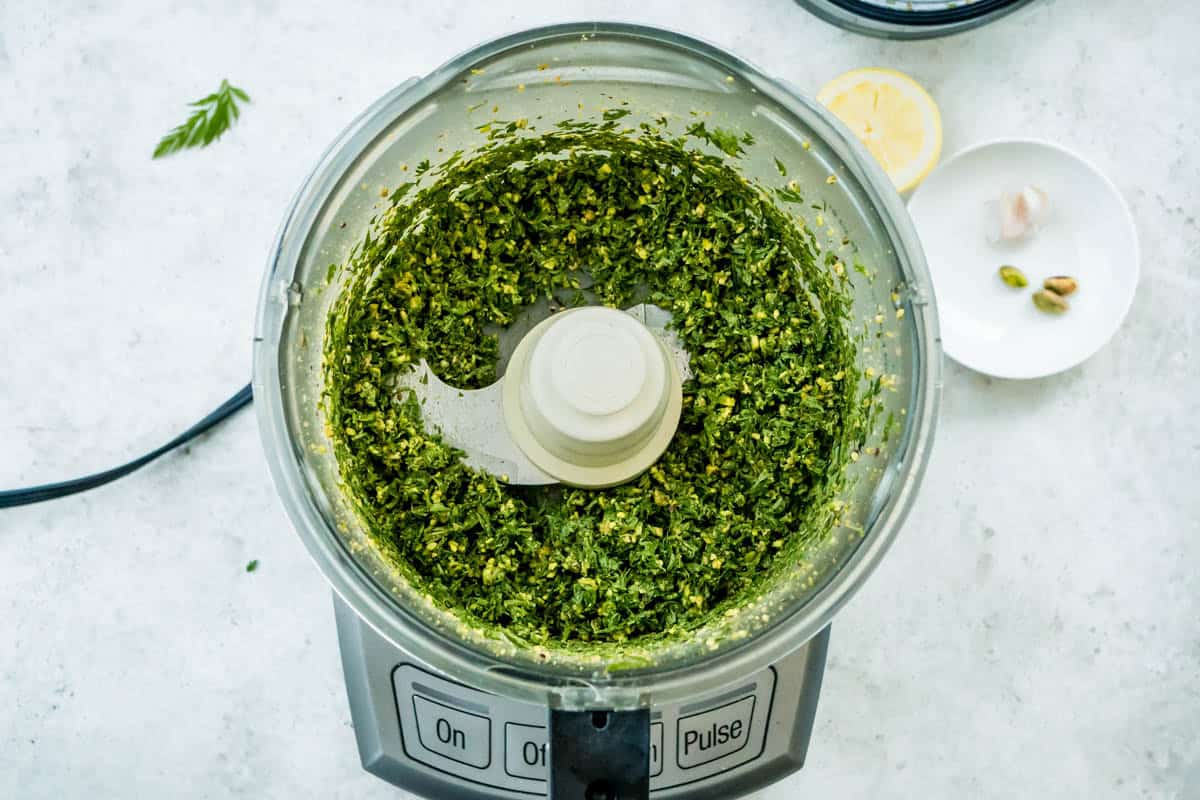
(525, 750)
(453, 733)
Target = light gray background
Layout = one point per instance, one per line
(1035, 632)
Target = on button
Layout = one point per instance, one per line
(453, 733)
(656, 749)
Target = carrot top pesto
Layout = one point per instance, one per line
(598, 212)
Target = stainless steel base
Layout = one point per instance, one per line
(429, 734)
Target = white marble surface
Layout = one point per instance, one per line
(1034, 633)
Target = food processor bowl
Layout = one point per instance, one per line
(911, 19)
(569, 72)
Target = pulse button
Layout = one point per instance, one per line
(713, 734)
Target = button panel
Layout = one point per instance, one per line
(477, 737)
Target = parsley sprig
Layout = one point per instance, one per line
(214, 114)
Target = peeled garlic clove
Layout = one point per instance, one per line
(1020, 214)
(1035, 204)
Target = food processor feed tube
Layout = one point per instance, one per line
(466, 677)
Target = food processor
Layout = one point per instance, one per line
(910, 19)
(446, 710)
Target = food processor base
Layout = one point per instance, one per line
(452, 714)
(429, 734)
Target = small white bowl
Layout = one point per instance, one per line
(1088, 234)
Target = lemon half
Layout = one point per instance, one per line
(893, 116)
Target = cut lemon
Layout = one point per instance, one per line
(893, 116)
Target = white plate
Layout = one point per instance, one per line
(1088, 234)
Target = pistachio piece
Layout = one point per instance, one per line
(1013, 276)
(1061, 285)
(1049, 302)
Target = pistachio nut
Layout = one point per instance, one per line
(1013, 276)
(1049, 302)
(1061, 285)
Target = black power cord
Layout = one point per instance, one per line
(36, 494)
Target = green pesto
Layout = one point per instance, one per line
(598, 212)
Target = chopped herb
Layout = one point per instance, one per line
(790, 193)
(252, 565)
(590, 213)
(725, 141)
(780, 166)
(214, 114)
